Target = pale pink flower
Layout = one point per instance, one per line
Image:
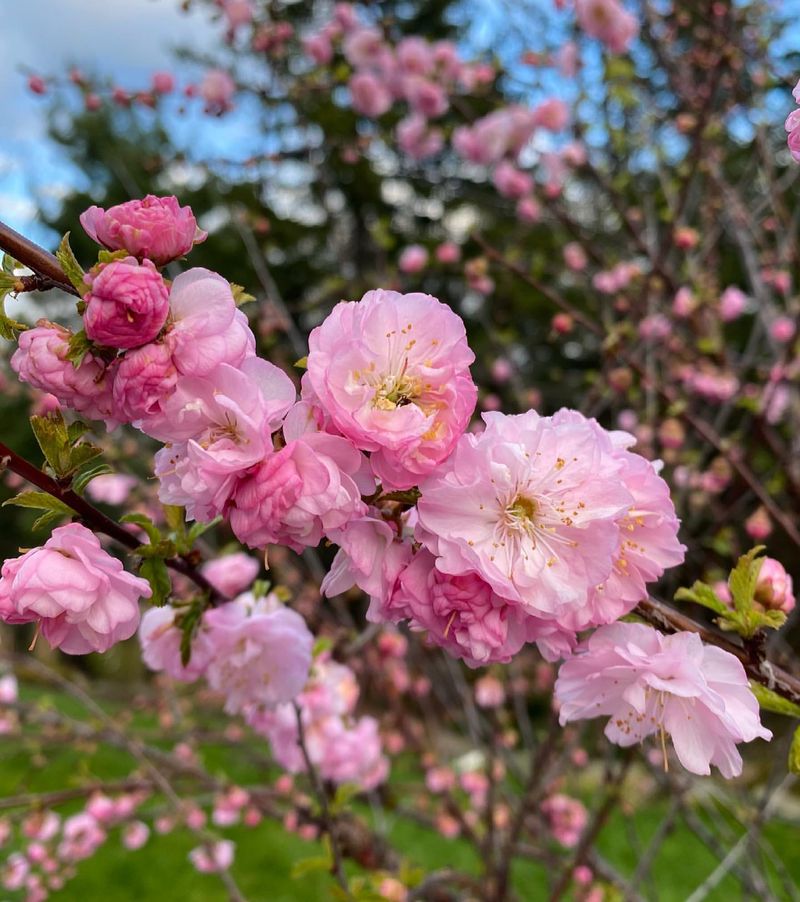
(413, 259)
(416, 56)
(392, 373)
(41, 361)
(646, 682)
(80, 837)
(528, 210)
(655, 327)
(684, 302)
(566, 817)
(369, 95)
(213, 857)
(575, 256)
(135, 835)
(206, 328)
(511, 182)
(231, 573)
(552, 114)
(9, 691)
(319, 48)
(417, 138)
(261, 652)
(83, 598)
(531, 505)
(500, 133)
(111, 488)
(217, 89)
(364, 47)
(15, 871)
(157, 228)
(567, 59)
(758, 525)
(783, 329)
(489, 692)
(732, 303)
(792, 126)
(608, 21)
(774, 589)
(160, 639)
(300, 493)
(425, 97)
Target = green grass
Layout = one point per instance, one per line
(265, 855)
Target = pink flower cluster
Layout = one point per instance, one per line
(253, 651)
(647, 683)
(793, 126)
(79, 596)
(534, 529)
(342, 747)
(608, 21)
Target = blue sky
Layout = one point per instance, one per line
(127, 39)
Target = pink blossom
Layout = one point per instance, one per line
(217, 427)
(160, 639)
(217, 89)
(654, 327)
(364, 47)
(213, 856)
(448, 252)
(111, 488)
(489, 692)
(392, 373)
(231, 573)
(774, 589)
(552, 114)
(425, 97)
(575, 256)
(319, 48)
(83, 598)
(500, 133)
(417, 138)
(300, 493)
(163, 82)
(127, 303)
(732, 303)
(608, 21)
(370, 96)
(156, 228)
(237, 13)
(792, 126)
(531, 505)
(416, 56)
(566, 818)
(413, 259)
(567, 59)
(41, 360)
(758, 525)
(81, 837)
(36, 84)
(528, 210)
(41, 825)
(206, 328)
(646, 682)
(143, 380)
(262, 653)
(15, 871)
(135, 835)
(783, 329)
(510, 181)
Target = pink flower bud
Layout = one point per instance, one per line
(127, 303)
(413, 259)
(783, 329)
(163, 83)
(774, 589)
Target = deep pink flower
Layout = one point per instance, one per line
(157, 228)
(319, 48)
(83, 597)
(531, 505)
(732, 303)
(261, 653)
(370, 96)
(646, 682)
(41, 361)
(425, 97)
(510, 181)
(415, 56)
(163, 82)
(143, 381)
(774, 589)
(448, 252)
(392, 373)
(126, 305)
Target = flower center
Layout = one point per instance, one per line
(521, 513)
(396, 391)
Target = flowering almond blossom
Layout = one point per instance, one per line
(392, 372)
(648, 683)
(81, 597)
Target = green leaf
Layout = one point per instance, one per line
(771, 701)
(40, 501)
(153, 532)
(53, 438)
(794, 753)
(155, 571)
(9, 328)
(188, 623)
(197, 529)
(240, 295)
(10, 264)
(302, 363)
(701, 593)
(261, 588)
(82, 479)
(106, 256)
(46, 519)
(72, 269)
(175, 517)
(78, 347)
(322, 644)
(743, 579)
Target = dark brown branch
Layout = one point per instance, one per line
(95, 519)
(36, 258)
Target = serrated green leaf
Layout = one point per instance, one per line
(197, 529)
(701, 593)
(69, 263)
(41, 501)
(153, 532)
(794, 753)
(78, 347)
(81, 454)
(155, 571)
(46, 519)
(240, 296)
(51, 434)
(82, 479)
(771, 701)
(77, 429)
(743, 579)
